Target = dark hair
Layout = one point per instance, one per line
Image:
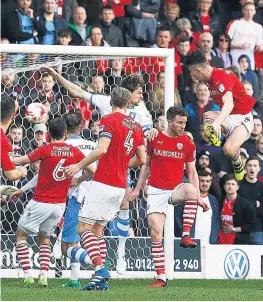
(183, 39)
(107, 7)
(96, 26)
(132, 82)
(57, 128)
(173, 111)
(64, 33)
(120, 97)
(74, 120)
(203, 172)
(196, 57)
(229, 177)
(254, 157)
(7, 108)
(163, 28)
(158, 75)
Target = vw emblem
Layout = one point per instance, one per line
(236, 264)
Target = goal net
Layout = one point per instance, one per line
(97, 70)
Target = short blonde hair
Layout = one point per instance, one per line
(172, 7)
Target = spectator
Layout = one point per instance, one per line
(204, 161)
(252, 189)
(79, 29)
(92, 132)
(156, 99)
(172, 13)
(185, 88)
(114, 75)
(10, 86)
(53, 23)
(244, 156)
(246, 35)
(64, 37)
(22, 25)
(260, 156)
(238, 216)
(97, 84)
(40, 131)
(206, 44)
(207, 224)
(111, 32)
(68, 8)
(196, 110)
(96, 37)
(19, 141)
(205, 19)
(185, 30)
(223, 50)
(159, 122)
(251, 144)
(248, 74)
(141, 30)
(235, 71)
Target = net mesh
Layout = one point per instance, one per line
(22, 79)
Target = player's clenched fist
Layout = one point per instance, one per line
(71, 170)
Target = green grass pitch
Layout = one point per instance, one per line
(137, 290)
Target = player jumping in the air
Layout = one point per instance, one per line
(235, 120)
(120, 138)
(43, 213)
(167, 154)
(137, 110)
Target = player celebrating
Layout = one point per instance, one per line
(45, 210)
(137, 110)
(235, 119)
(8, 108)
(166, 156)
(120, 138)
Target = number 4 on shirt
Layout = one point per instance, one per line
(129, 142)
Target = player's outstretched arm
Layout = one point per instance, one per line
(16, 174)
(95, 155)
(22, 160)
(73, 89)
(139, 159)
(144, 175)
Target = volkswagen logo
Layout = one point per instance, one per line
(236, 264)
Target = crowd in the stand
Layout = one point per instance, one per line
(230, 34)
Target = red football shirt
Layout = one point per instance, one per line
(222, 81)
(168, 158)
(125, 135)
(226, 218)
(53, 185)
(6, 153)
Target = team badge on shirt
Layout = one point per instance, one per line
(10, 154)
(180, 146)
(221, 88)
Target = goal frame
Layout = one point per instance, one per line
(167, 54)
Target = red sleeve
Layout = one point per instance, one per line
(141, 138)
(106, 128)
(38, 154)
(178, 68)
(191, 151)
(6, 157)
(224, 81)
(149, 148)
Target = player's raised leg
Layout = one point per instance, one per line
(186, 193)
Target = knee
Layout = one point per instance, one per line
(229, 150)
(44, 239)
(191, 192)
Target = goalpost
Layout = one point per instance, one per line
(49, 55)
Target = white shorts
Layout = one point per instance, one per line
(235, 120)
(101, 204)
(41, 217)
(157, 200)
